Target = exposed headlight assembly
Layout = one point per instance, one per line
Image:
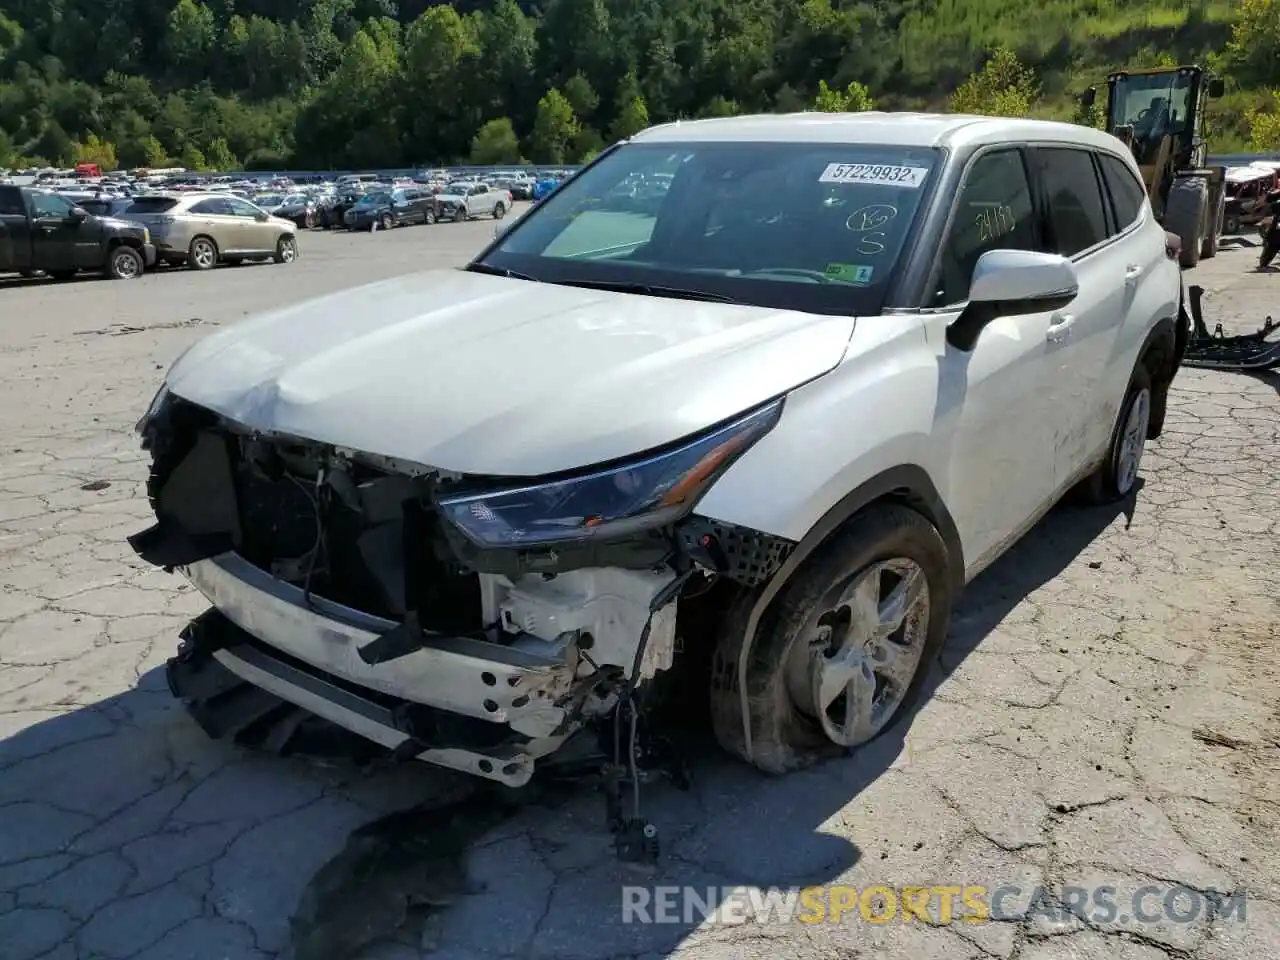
(611, 502)
(157, 404)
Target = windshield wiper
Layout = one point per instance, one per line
(496, 271)
(648, 289)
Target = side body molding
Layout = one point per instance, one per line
(908, 484)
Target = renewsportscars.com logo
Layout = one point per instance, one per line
(935, 904)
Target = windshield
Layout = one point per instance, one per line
(806, 226)
(1154, 104)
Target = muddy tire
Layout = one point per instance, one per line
(793, 664)
(124, 263)
(1187, 215)
(1117, 476)
(1213, 227)
(286, 249)
(202, 254)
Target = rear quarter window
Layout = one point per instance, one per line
(1127, 194)
(152, 205)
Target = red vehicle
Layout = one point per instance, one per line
(87, 170)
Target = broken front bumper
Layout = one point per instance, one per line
(516, 685)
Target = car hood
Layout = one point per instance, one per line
(450, 196)
(482, 374)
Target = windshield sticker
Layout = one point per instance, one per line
(912, 177)
(855, 273)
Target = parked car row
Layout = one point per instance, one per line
(45, 233)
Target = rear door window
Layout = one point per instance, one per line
(1073, 199)
(213, 207)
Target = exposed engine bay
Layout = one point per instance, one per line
(343, 595)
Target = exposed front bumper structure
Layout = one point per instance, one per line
(515, 684)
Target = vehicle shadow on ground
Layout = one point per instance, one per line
(244, 835)
(16, 282)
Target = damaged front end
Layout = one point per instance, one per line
(471, 622)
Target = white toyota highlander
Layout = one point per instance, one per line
(768, 417)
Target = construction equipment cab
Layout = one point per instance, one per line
(1159, 114)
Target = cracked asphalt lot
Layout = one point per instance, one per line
(1104, 713)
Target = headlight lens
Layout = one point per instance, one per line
(611, 502)
(157, 402)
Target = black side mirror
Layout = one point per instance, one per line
(79, 213)
(1088, 97)
(1216, 87)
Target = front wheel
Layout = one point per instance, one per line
(460, 215)
(844, 650)
(125, 263)
(286, 250)
(1117, 476)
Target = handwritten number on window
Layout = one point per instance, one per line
(995, 223)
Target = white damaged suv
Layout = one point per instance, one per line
(769, 418)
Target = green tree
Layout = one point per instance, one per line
(631, 113)
(554, 128)
(496, 143)
(1002, 88)
(1254, 49)
(581, 96)
(189, 36)
(1264, 124)
(95, 150)
(219, 156)
(153, 153)
(855, 98)
(55, 144)
(192, 158)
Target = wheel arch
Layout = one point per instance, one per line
(1162, 349)
(908, 485)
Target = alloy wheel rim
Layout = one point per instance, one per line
(287, 251)
(859, 653)
(204, 253)
(1133, 441)
(126, 266)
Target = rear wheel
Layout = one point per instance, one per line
(385, 222)
(1116, 477)
(429, 216)
(843, 650)
(124, 263)
(499, 211)
(202, 254)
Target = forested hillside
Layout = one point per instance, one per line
(366, 83)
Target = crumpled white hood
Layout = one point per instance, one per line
(483, 374)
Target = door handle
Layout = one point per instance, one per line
(1132, 273)
(1060, 327)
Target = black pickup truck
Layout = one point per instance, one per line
(42, 232)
